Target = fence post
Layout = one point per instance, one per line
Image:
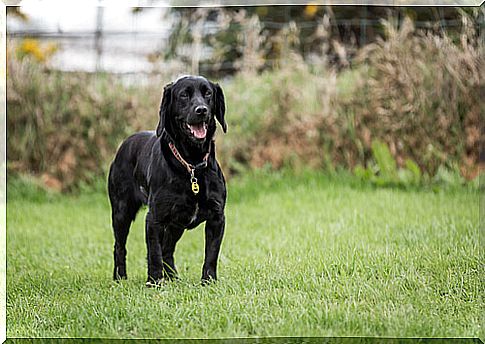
(363, 27)
(98, 41)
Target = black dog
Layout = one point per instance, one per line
(174, 171)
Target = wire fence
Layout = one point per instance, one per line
(131, 51)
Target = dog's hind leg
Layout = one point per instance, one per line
(124, 206)
(121, 228)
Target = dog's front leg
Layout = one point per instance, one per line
(170, 238)
(154, 237)
(214, 231)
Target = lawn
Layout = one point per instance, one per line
(305, 255)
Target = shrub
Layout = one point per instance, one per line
(421, 97)
(275, 117)
(384, 171)
(406, 111)
(65, 127)
(416, 93)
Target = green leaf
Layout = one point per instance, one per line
(385, 161)
(363, 173)
(412, 167)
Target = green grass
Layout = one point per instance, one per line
(304, 255)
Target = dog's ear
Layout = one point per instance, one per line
(164, 107)
(220, 106)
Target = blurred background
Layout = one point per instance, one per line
(388, 94)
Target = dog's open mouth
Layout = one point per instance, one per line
(199, 130)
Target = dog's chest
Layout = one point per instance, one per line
(185, 214)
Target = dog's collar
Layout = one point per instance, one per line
(189, 167)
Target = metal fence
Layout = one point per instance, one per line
(131, 51)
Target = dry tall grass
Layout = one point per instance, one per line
(418, 93)
(64, 127)
(422, 97)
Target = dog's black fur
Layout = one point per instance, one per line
(145, 171)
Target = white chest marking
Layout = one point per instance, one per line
(195, 213)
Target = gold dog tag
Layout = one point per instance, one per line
(193, 180)
(195, 187)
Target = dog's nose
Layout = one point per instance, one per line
(201, 110)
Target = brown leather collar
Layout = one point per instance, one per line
(190, 168)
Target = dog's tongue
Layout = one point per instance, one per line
(198, 130)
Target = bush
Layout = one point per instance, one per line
(275, 118)
(65, 127)
(384, 171)
(421, 97)
(416, 93)
(407, 110)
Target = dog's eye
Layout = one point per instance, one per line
(208, 94)
(184, 95)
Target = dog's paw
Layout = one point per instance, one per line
(159, 282)
(119, 274)
(207, 281)
(155, 284)
(170, 278)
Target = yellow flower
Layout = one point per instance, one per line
(311, 10)
(31, 47)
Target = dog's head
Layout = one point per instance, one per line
(190, 105)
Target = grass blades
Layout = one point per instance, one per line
(305, 255)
